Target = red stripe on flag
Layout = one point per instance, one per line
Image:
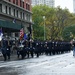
(21, 32)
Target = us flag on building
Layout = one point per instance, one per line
(21, 33)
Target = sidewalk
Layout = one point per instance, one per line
(13, 57)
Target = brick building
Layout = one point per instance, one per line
(15, 14)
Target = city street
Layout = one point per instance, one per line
(63, 64)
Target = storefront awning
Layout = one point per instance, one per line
(10, 25)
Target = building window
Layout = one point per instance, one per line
(16, 34)
(14, 12)
(9, 10)
(17, 13)
(23, 4)
(20, 3)
(14, 1)
(27, 6)
(6, 9)
(0, 7)
(27, 17)
(21, 15)
(9, 0)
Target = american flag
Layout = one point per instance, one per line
(21, 33)
(25, 36)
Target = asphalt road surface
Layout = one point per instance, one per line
(63, 64)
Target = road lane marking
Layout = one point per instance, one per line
(38, 64)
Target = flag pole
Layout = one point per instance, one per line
(21, 31)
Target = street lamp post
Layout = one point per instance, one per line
(44, 27)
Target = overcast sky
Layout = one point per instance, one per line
(65, 3)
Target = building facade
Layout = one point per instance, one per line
(50, 3)
(15, 14)
(74, 6)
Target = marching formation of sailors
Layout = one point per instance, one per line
(31, 48)
(26, 49)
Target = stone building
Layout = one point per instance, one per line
(15, 14)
